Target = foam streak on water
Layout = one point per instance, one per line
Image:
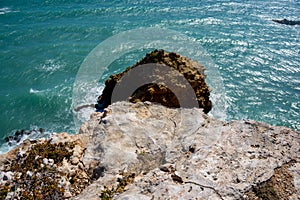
(44, 43)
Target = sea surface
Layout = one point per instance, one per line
(44, 43)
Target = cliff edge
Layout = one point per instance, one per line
(148, 151)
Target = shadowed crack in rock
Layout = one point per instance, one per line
(205, 186)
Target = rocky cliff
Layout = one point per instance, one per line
(148, 151)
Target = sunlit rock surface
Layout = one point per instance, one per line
(147, 151)
(183, 154)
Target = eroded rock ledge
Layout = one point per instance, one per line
(147, 151)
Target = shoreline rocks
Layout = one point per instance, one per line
(19, 134)
(148, 151)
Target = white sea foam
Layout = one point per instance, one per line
(82, 107)
(33, 91)
(5, 10)
(34, 134)
(50, 66)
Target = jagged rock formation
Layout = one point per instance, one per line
(147, 151)
(192, 71)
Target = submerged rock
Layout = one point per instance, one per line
(192, 71)
(148, 151)
(286, 22)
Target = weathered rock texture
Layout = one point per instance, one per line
(192, 71)
(146, 151)
(44, 169)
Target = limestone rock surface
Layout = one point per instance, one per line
(148, 151)
(184, 154)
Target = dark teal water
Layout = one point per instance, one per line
(43, 44)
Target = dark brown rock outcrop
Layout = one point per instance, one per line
(192, 71)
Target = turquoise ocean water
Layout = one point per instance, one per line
(43, 44)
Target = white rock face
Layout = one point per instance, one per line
(146, 151)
